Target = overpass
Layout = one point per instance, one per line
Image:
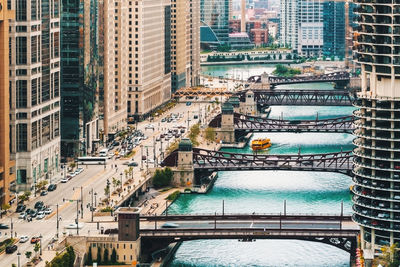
(342, 78)
(257, 124)
(335, 230)
(209, 160)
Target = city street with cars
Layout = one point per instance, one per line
(37, 218)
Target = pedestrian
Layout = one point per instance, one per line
(15, 234)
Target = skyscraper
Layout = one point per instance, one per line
(7, 166)
(310, 29)
(35, 90)
(377, 156)
(115, 17)
(289, 24)
(334, 29)
(148, 65)
(80, 76)
(185, 43)
(215, 14)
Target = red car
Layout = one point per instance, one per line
(34, 239)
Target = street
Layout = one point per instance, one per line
(92, 179)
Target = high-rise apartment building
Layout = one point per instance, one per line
(7, 166)
(377, 156)
(116, 48)
(215, 14)
(80, 77)
(148, 50)
(185, 43)
(310, 27)
(289, 23)
(35, 90)
(334, 29)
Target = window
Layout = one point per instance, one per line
(22, 130)
(21, 93)
(21, 176)
(21, 50)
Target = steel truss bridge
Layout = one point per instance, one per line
(335, 230)
(210, 160)
(339, 77)
(258, 124)
(301, 97)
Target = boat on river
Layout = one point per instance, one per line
(260, 144)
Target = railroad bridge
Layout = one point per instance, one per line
(341, 78)
(153, 234)
(248, 123)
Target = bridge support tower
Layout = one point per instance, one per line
(184, 172)
(227, 131)
(249, 106)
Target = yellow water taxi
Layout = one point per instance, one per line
(260, 144)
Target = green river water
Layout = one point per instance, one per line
(265, 192)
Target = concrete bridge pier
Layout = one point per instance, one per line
(184, 172)
(227, 131)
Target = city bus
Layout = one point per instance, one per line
(92, 160)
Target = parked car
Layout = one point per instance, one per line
(11, 249)
(64, 180)
(40, 215)
(43, 193)
(33, 213)
(35, 239)
(133, 164)
(22, 215)
(52, 187)
(20, 208)
(4, 226)
(39, 204)
(23, 239)
(48, 211)
(149, 126)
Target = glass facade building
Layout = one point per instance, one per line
(215, 14)
(80, 79)
(377, 155)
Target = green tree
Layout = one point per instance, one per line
(289, 56)
(36, 248)
(280, 56)
(210, 134)
(114, 182)
(99, 256)
(390, 256)
(113, 256)
(89, 257)
(28, 254)
(162, 178)
(107, 190)
(105, 257)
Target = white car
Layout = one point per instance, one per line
(72, 174)
(149, 126)
(48, 211)
(73, 226)
(22, 215)
(23, 239)
(64, 180)
(40, 215)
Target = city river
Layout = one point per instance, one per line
(265, 192)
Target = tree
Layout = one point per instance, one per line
(28, 254)
(114, 256)
(280, 56)
(5, 206)
(114, 182)
(107, 190)
(390, 256)
(36, 248)
(162, 178)
(131, 171)
(210, 134)
(89, 259)
(99, 255)
(288, 56)
(105, 257)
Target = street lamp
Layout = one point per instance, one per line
(77, 212)
(19, 260)
(81, 188)
(91, 205)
